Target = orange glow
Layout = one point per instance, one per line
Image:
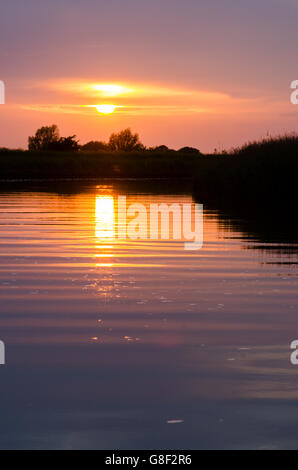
(137, 99)
(110, 89)
(224, 119)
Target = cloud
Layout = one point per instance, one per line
(77, 96)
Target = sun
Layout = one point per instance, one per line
(106, 108)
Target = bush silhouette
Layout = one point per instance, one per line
(159, 148)
(189, 150)
(64, 144)
(94, 146)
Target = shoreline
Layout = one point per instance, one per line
(42, 180)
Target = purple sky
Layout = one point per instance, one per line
(245, 52)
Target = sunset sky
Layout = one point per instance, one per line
(204, 73)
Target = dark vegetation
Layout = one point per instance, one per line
(50, 156)
(101, 164)
(260, 172)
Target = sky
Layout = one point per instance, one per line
(203, 73)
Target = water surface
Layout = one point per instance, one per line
(109, 342)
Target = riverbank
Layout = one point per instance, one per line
(257, 174)
(102, 164)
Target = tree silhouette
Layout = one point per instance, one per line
(43, 138)
(125, 141)
(47, 138)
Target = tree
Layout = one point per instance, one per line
(125, 141)
(48, 138)
(43, 138)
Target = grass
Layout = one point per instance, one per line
(263, 172)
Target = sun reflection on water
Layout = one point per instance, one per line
(104, 218)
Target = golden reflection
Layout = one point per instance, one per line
(104, 218)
